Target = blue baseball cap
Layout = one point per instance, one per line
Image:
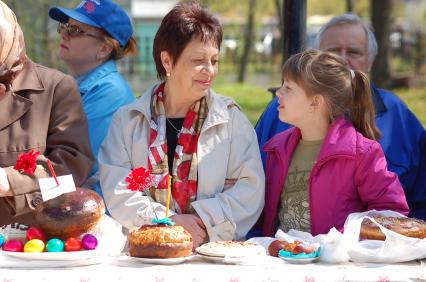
(103, 14)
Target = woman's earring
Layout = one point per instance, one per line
(167, 74)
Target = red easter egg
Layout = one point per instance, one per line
(13, 246)
(275, 247)
(35, 233)
(72, 245)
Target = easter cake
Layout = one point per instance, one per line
(160, 241)
(71, 214)
(410, 227)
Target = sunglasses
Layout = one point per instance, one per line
(74, 31)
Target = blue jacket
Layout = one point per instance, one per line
(403, 142)
(103, 91)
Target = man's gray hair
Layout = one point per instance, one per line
(350, 19)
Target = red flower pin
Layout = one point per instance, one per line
(139, 179)
(27, 162)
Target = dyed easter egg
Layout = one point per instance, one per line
(89, 242)
(55, 245)
(2, 239)
(35, 233)
(13, 246)
(34, 246)
(72, 245)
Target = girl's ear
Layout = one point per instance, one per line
(318, 101)
(317, 104)
(104, 52)
(167, 61)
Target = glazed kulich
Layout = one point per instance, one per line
(160, 241)
(410, 227)
(71, 214)
(233, 248)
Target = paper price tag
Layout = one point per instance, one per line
(49, 189)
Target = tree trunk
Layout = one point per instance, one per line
(248, 42)
(349, 6)
(279, 7)
(381, 20)
(45, 46)
(294, 27)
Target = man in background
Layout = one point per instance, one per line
(403, 136)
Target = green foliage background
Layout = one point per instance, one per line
(41, 42)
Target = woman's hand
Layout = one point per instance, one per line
(5, 191)
(4, 184)
(2, 91)
(194, 225)
(229, 183)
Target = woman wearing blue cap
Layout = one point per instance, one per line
(183, 129)
(93, 36)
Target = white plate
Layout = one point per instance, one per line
(298, 260)
(58, 256)
(207, 254)
(165, 261)
(213, 259)
(233, 252)
(225, 260)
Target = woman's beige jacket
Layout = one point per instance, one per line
(227, 150)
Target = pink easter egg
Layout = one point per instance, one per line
(35, 233)
(89, 242)
(13, 246)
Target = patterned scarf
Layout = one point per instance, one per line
(184, 171)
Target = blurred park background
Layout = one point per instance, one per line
(252, 49)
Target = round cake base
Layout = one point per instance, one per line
(161, 251)
(160, 241)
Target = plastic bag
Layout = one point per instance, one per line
(333, 246)
(111, 240)
(14, 231)
(396, 247)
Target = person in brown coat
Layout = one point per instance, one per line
(40, 110)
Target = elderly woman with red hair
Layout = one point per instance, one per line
(182, 128)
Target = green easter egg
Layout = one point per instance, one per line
(2, 239)
(55, 245)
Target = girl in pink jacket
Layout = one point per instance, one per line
(329, 165)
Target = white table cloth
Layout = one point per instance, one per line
(264, 269)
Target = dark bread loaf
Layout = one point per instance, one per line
(71, 214)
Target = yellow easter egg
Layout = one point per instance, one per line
(34, 246)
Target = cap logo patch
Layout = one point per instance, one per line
(89, 7)
(84, 2)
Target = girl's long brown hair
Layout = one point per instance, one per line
(346, 92)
